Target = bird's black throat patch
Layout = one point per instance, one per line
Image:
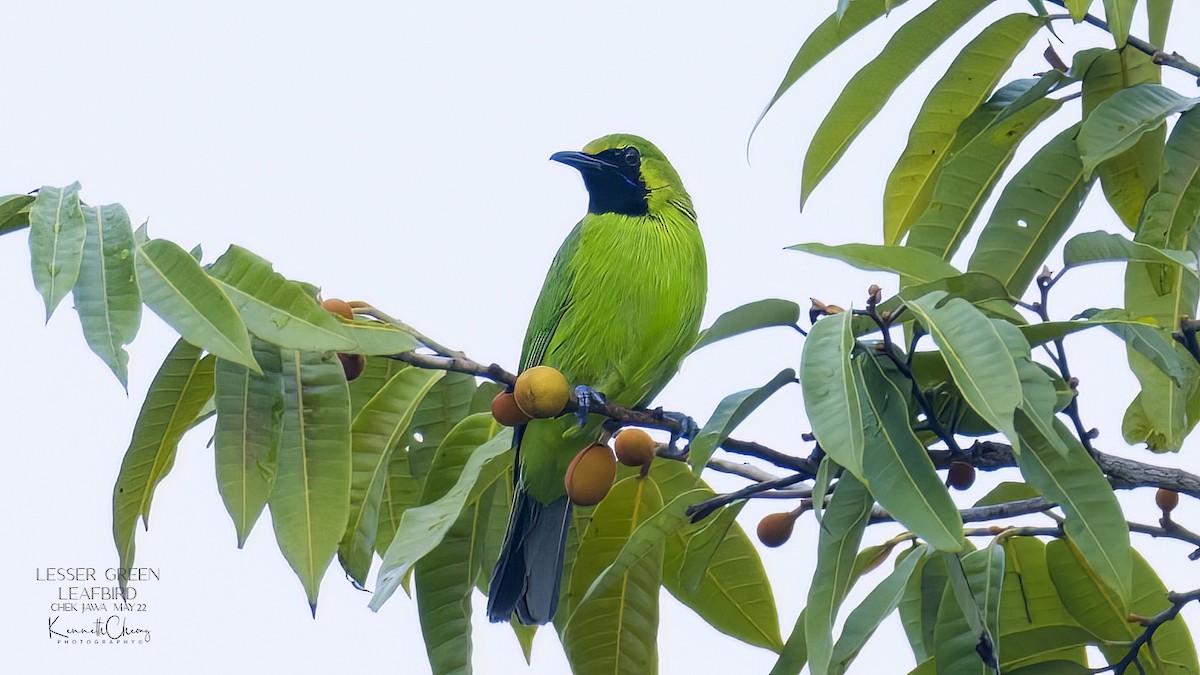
(618, 187)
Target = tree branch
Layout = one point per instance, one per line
(1172, 60)
(1151, 624)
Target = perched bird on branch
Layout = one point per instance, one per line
(618, 311)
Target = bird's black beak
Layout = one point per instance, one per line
(581, 161)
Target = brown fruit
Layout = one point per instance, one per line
(961, 475)
(1166, 499)
(339, 307)
(634, 447)
(590, 475)
(353, 364)
(541, 392)
(776, 528)
(506, 412)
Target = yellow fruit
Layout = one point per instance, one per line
(541, 392)
(353, 364)
(776, 528)
(339, 307)
(1166, 499)
(590, 475)
(634, 447)
(960, 476)
(506, 412)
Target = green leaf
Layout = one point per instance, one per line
(179, 391)
(374, 434)
(824, 39)
(920, 603)
(749, 317)
(864, 620)
(1119, 121)
(374, 338)
(731, 412)
(616, 630)
(918, 265)
(966, 628)
(1159, 14)
(1094, 520)
(1078, 8)
(702, 546)
(275, 309)
(249, 423)
(976, 355)
(178, 290)
(1035, 627)
(1035, 210)
(442, 408)
(1094, 247)
(831, 391)
(56, 234)
(1174, 650)
(964, 87)
(971, 173)
(1119, 15)
(1128, 178)
(423, 528)
(14, 212)
(310, 501)
(401, 491)
(1007, 491)
(843, 526)
(1174, 207)
(377, 372)
(896, 468)
(795, 651)
(106, 292)
(870, 88)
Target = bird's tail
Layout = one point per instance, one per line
(528, 572)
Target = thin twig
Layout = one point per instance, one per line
(1151, 624)
(1172, 60)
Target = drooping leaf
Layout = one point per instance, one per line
(795, 651)
(616, 631)
(56, 234)
(14, 212)
(702, 546)
(1119, 121)
(870, 88)
(180, 389)
(310, 501)
(1093, 247)
(749, 317)
(374, 435)
(177, 289)
(374, 338)
(1035, 627)
(966, 632)
(1034, 211)
(1172, 210)
(864, 620)
(918, 265)
(1159, 14)
(731, 412)
(249, 410)
(831, 391)
(274, 308)
(106, 293)
(1119, 16)
(966, 84)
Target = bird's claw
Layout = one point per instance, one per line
(586, 398)
(687, 431)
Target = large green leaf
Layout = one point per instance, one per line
(180, 389)
(920, 603)
(1035, 627)
(969, 612)
(825, 38)
(377, 372)
(422, 528)
(1127, 178)
(249, 422)
(14, 212)
(917, 265)
(616, 630)
(703, 544)
(842, 529)
(964, 87)
(1174, 651)
(276, 309)
(864, 620)
(1094, 520)
(374, 434)
(831, 391)
(731, 412)
(56, 235)
(401, 491)
(310, 501)
(1093, 247)
(896, 468)
(106, 292)
(1120, 121)
(1119, 16)
(1159, 14)
(1035, 210)
(443, 407)
(870, 88)
(375, 338)
(1172, 210)
(191, 302)
(969, 176)
(749, 317)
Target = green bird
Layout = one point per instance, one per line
(619, 310)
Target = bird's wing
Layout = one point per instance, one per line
(552, 303)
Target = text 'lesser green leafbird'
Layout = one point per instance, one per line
(618, 311)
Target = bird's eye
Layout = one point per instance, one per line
(632, 156)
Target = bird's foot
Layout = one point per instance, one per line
(687, 431)
(586, 398)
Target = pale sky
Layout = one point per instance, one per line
(397, 154)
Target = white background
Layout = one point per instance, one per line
(397, 154)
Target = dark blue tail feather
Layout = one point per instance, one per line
(528, 572)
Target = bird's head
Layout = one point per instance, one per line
(627, 174)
